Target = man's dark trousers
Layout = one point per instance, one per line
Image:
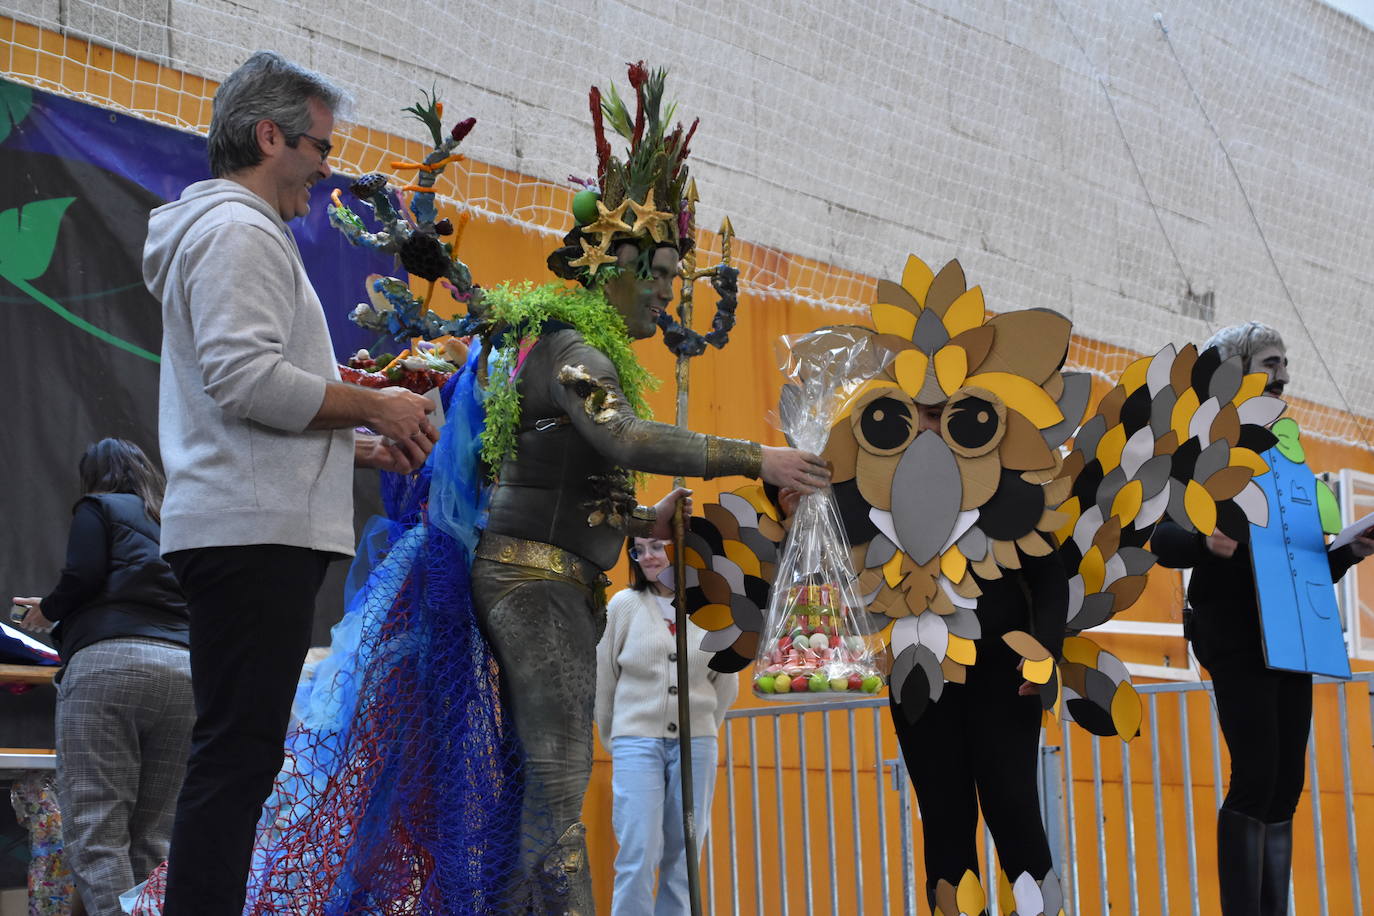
(251, 610)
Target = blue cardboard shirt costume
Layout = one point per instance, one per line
(1299, 617)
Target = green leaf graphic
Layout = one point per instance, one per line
(1327, 508)
(28, 235)
(1289, 444)
(15, 101)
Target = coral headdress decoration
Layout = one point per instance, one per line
(640, 198)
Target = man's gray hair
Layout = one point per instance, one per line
(266, 87)
(1244, 340)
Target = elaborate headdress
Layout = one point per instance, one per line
(640, 198)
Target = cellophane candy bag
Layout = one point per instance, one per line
(815, 646)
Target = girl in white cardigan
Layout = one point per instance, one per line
(636, 715)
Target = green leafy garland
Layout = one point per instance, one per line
(523, 308)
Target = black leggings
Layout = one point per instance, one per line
(978, 745)
(1266, 717)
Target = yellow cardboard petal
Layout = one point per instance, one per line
(745, 558)
(693, 559)
(1021, 395)
(854, 396)
(1093, 569)
(892, 569)
(1135, 373)
(1184, 409)
(910, 369)
(889, 319)
(951, 368)
(970, 896)
(713, 617)
(1038, 672)
(1252, 386)
(1110, 446)
(1080, 650)
(964, 651)
(1004, 891)
(1248, 458)
(953, 563)
(1126, 712)
(1057, 710)
(1201, 508)
(916, 279)
(754, 495)
(1128, 501)
(968, 311)
(1071, 511)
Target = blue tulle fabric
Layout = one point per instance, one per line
(401, 790)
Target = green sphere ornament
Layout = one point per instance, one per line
(584, 206)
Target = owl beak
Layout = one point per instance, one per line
(926, 495)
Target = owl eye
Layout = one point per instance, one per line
(974, 422)
(885, 423)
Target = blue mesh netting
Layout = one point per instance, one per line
(401, 791)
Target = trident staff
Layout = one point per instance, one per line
(687, 344)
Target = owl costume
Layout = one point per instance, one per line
(983, 549)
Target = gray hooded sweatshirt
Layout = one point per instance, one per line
(246, 354)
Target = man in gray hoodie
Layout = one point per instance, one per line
(258, 442)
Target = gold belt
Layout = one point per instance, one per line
(502, 548)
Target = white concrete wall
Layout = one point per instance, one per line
(855, 132)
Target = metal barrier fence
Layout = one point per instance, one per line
(814, 813)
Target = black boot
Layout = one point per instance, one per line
(1240, 860)
(1278, 865)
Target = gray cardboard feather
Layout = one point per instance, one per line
(1138, 561)
(748, 615)
(1157, 375)
(730, 571)
(1078, 388)
(764, 549)
(1051, 893)
(930, 334)
(741, 509)
(964, 622)
(1162, 412)
(1108, 488)
(1200, 424)
(928, 663)
(880, 550)
(1097, 609)
(1154, 474)
(1089, 436)
(1177, 510)
(1226, 380)
(974, 544)
(1213, 458)
(925, 497)
(901, 668)
(719, 640)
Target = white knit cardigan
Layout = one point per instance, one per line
(635, 671)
